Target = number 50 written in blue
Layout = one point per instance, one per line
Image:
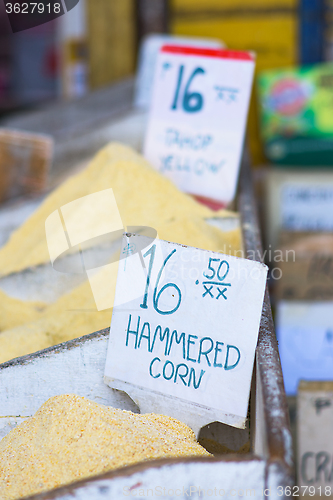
(192, 102)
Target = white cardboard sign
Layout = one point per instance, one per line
(197, 118)
(184, 343)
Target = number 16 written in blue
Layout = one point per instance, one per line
(192, 101)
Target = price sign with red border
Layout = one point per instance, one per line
(198, 116)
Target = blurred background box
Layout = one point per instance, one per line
(24, 163)
(306, 267)
(296, 117)
(305, 336)
(5, 63)
(111, 40)
(147, 58)
(315, 437)
(297, 201)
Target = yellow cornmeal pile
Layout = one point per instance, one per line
(144, 198)
(72, 316)
(14, 312)
(71, 438)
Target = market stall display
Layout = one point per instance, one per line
(77, 367)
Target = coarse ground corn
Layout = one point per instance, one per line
(72, 316)
(144, 197)
(72, 438)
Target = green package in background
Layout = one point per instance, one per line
(296, 114)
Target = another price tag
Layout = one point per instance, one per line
(198, 116)
(183, 343)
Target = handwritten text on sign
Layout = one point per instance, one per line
(188, 340)
(307, 207)
(197, 118)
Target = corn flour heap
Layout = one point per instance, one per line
(72, 438)
(144, 198)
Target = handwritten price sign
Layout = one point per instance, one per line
(185, 345)
(197, 119)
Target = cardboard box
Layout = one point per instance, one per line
(315, 438)
(306, 267)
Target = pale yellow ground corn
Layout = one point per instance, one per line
(71, 438)
(144, 198)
